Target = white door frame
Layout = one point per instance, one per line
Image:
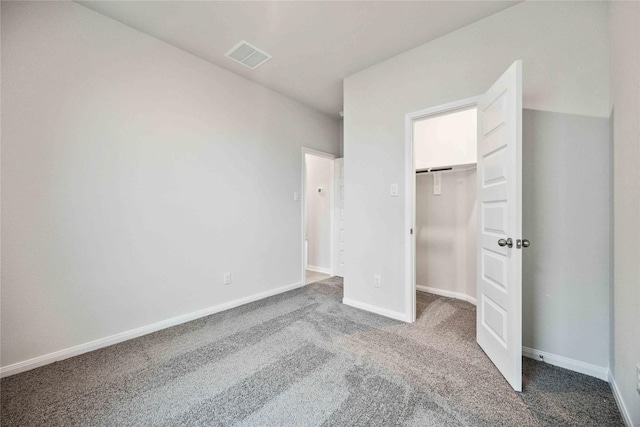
(339, 215)
(303, 200)
(410, 196)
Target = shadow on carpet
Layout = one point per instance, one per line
(304, 359)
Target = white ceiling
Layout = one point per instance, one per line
(314, 44)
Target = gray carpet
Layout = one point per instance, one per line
(304, 359)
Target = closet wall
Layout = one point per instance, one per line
(446, 234)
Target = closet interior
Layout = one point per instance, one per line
(445, 201)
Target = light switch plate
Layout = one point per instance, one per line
(394, 190)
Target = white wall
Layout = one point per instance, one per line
(624, 27)
(564, 48)
(565, 215)
(446, 140)
(133, 176)
(318, 210)
(446, 232)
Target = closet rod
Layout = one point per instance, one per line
(433, 170)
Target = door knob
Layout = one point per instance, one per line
(508, 242)
(525, 243)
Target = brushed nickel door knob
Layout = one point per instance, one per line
(508, 242)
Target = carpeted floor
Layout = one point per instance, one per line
(304, 359)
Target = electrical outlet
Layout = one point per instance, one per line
(638, 378)
(376, 281)
(226, 279)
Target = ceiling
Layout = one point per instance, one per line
(314, 45)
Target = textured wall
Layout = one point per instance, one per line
(624, 27)
(565, 204)
(446, 232)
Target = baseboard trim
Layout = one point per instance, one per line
(377, 310)
(319, 269)
(599, 372)
(46, 359)
(450, 294)
(621, 406)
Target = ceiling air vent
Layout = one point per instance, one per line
(247, 55)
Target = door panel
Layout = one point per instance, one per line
(495, 217)
(499, 310)
(339, 215)
(494, 270)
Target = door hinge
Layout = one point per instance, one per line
(411, 231)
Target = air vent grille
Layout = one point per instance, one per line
(248, 55)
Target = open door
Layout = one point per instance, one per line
(499, 286)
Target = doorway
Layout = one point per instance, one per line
(499, 217)
(445, 203)
(441, 183)
(318, 215)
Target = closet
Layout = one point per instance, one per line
(445, 202)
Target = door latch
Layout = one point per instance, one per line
(524, 243)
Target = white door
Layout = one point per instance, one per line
(339, 215)
(499, 309)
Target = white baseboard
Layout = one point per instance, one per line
(319, 269)
(621, 406)
(566, 363)
(377, 310)
(36, 362)
(450, 294)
